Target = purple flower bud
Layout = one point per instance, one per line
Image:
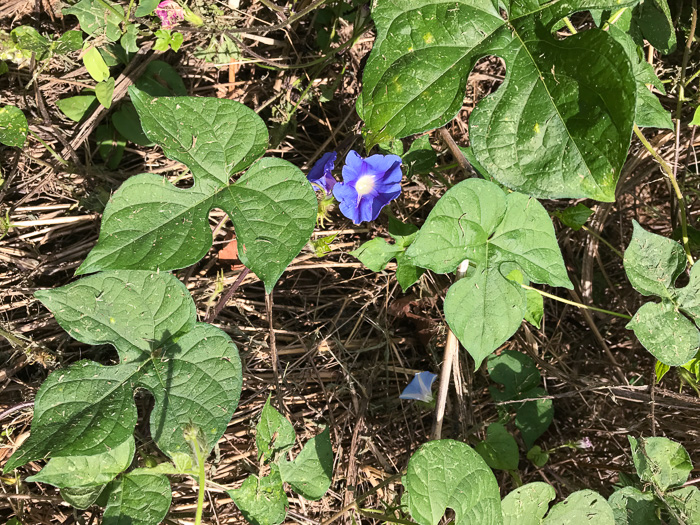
(368, 185)
(585, 443)
(420, 388)
(170, 13)
(321, 172)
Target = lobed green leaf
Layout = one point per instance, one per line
(559, 125)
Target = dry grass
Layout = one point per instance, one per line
(348, 339)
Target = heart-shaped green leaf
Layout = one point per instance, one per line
(497, 233)
(653, 263)
(88, 409)
(450, 474)
(559, 125)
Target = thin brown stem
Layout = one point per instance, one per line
(451, 350)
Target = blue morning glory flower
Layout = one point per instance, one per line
(321, 173)
(368, 185)
(420, 388)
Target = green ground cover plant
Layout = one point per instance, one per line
(559, 126)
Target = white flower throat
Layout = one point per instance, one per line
(364, 185)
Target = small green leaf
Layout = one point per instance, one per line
(450, 474)
(686, 503)
(653, 263)
(13, 126)
(95, 65)
(126, 121)
(538, 456)
(262, 501)
(146, 7)
(176, 40)
(104, 91)
(162, 80)
(534, 311)
(630, 506)
(420, 157)
(534, 417)
(574, 216)
(69, 42)
(584, 506)
(660, 370)
(29, 39)
(660, 461)
(666, 333)
(96, 19)
(376, 253)
(138, 498)
(274, 435)
(82, 497)
(87, 471)
(528, 504)
(407, 274)
(499, 449)
(515, 371)
(77, 108)
(128, 39)
(311, 472)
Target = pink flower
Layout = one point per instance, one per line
(170, 13)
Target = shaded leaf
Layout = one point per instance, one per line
(534, 417)
(499, 449)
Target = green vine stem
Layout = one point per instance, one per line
(191, 437)
(574, 303)
(606, 243)
(677, 190)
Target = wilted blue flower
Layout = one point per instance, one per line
(420, 388)
(368, 185)
(321, 172)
